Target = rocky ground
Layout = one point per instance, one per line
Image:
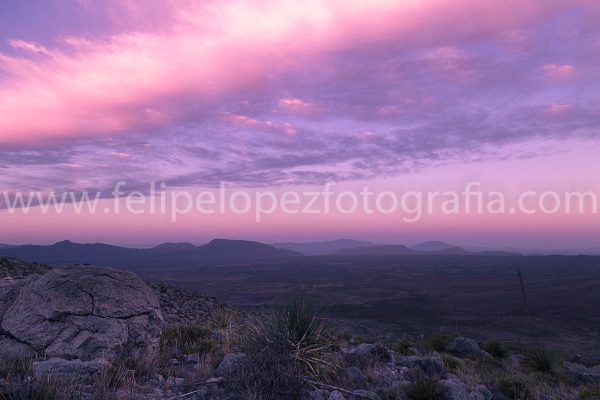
(85, 332)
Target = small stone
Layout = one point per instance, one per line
(69, 370)
(191, 359)
(231, 363)
(336, 395)
(179, 382)
(364, 394)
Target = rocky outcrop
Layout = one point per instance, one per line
(466, 348)
(84, 312)
(184, 307)
(69, 371)
(583, 373)
(12, 268)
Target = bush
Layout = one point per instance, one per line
(425, 387)
(401, 346)
(437, 343)
(589, 393)
(284, 347)
(496, 349)
(514, 388)
(450, 362)
(187, 339)
(222, 318)
(542, 359)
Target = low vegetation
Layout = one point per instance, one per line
(291, 353)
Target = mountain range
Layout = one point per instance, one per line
(69, 253)
(322, 248)
(216, 251)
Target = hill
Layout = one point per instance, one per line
(433, 245)
(322, 248)
(167, 254)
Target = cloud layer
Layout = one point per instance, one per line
(282, 92)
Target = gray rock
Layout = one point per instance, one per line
(85, 312)
(363, 394)
(191, 359)
(69, 371)
(432, 366)
(484, 391)
(336, 395)
(318, 394)
(371, 353)
(231, 363)
(11, 349)
(454, 389)
(356, 376)
(465, 347)
(583, 373)
(179, 382)
(475, 396)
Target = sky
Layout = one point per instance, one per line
(285, 95)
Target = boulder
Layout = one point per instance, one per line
(69, 371)
(454, 389)
(336, 395)
(231, 364)
(363, 394)
(317, 394)
(583, 373)
(432, 366)
(466, 348)
(485, 393)
(85, 312)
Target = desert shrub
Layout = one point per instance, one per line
(392, 393)
(222, 317)
(282, 349)
(298, 332)
(15, 367)
(401, 346)
(425, 387)
(450, 362)
(514, 388)
(437, 343)
(187, 339)
(542, 359)
(378, 354)
(105, 383)
(589, 392)
(30, 389)
(496, 349)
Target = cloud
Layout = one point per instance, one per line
(290, 94)
(555, 71)
(87, 87)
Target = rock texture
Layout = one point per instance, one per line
(583, 373)
(84, 312)
(184, 307)
(467, 348)
(68, 371)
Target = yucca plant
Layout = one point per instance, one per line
(223, 317)
(542, 359)
(297, 331)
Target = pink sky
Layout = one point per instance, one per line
(404, 94)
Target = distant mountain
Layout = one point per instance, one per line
(450, 251)
(167, 254)
(4, 245)
(321, 248)
(382, 250)
(223, 248)
(169, 247)
(433, 246)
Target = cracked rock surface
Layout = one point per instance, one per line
(84, 312)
